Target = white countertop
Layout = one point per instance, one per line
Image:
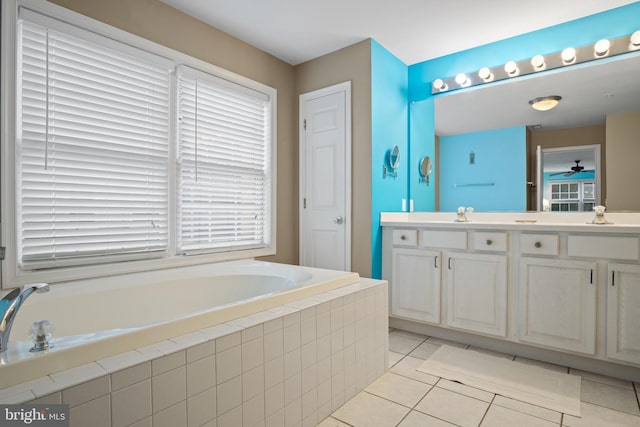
(620, 222)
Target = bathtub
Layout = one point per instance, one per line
(98, 318)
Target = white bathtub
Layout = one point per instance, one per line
(98, 318)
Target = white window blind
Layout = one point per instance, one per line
(224, 157)
(91, 149)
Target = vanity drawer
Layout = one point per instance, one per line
(540, 244)
(405, 237)
(607, 247)
(490, 241)
(444, 239)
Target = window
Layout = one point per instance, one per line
(223, 162)
(572, 196)
(91, 149)
(128, 151)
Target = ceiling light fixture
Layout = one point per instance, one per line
(545, 103)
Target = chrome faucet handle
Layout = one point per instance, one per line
(9, 306)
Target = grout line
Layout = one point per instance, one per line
(487, 410)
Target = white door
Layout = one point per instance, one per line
(325, 184)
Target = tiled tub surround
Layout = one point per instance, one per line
(98, 318)
(286, 366)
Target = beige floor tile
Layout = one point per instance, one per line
(599, 416)
(603, 379)
(418, 419)
(425, 350)
(399, 389)
(394, 358)
(457, 387)
(455, 408)
(403, 345)
(498, 416)
(408, 366)
(527, 408)
(368, 410)
(332, 422)
(620, 399)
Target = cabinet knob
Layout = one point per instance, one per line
(403, 237)
(489, 242)
(538, 245)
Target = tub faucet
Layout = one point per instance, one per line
(9, 306)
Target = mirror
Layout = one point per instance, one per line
(424, 169)
(392, 162)
(589, 93)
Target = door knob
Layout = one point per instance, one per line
(338, 220)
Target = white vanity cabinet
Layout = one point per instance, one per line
(623, 312)
(557, 303)
(477, 292)
(526, 284)
(415, 293)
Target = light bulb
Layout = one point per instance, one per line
(511, 68)
(537, 62)
(635, 40)
(485, 74)
(568, 55)
(462, 79)
(439, 84)
(601, 48)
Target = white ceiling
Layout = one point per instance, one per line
(413, 30)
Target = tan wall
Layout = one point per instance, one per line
(623, 159)
(353, 64)
(155, 21)
(555, 138)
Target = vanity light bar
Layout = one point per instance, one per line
(601, 49)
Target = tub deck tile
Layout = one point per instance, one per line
(124, 360)
(220, 330)
(189, 340)
(69, 377)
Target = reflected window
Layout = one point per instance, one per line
(572, 196)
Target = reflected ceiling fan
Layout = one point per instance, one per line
(574, 169)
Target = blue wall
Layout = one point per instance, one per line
(499, 158)
(422, 143)
(389, 127)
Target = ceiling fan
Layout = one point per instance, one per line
(574, 169)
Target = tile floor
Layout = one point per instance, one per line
(405, 397)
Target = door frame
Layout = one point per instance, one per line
(303, 99)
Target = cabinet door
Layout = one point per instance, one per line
(415, 284)
(477, 293)
(623, 313)
(557, 304)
